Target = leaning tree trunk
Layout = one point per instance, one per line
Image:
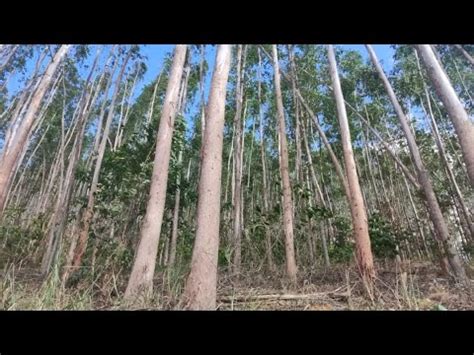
(434, 209)
(285, 176)
(58, 218)
(463, 125)
(141, 278)
(332, 155)
(466, 55)
(200, 288)
(83, 235)
(358, 212)
(11, 152)
(174, 225)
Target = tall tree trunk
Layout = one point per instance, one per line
(152, 103)
(12, 151)
(463, 125)
(237, 215)
(299, 176)
(335, 161)
(268, 241)
(442, 153)
(200, 288)
(291, 269)
(358, 212)
(141, 278)
(387, 147)
(83, 235)
(123, 122)
(174, 226)
(318, 189)
(58, 218)
(434, 210)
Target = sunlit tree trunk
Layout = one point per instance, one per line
(141, 278)
(434, 209)
(83, 235)
(268, 241)
(200, 288)
(463, 124)
(358, 212)
(58, 218)
(12, 150)
(291, 269)
(237, 210)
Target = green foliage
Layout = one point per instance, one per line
(342, 249)
(19, 240)
(383, 238)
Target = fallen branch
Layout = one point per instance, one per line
(283, 297)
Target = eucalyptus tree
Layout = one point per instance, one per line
(200, 288)
(434, 210)
(18, 134)
(141, 278)
(359, 214)
(288, 226)
(463, 124)
(79, 248)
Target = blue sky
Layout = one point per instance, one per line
(156, 53)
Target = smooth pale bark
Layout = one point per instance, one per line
(200, 288)
(12, 151)
(141, 278)
(358, 212)
(434, 209)
(291, 269)
(463, 124)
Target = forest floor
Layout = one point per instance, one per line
(420, 286)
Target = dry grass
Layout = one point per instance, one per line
(412, 286)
